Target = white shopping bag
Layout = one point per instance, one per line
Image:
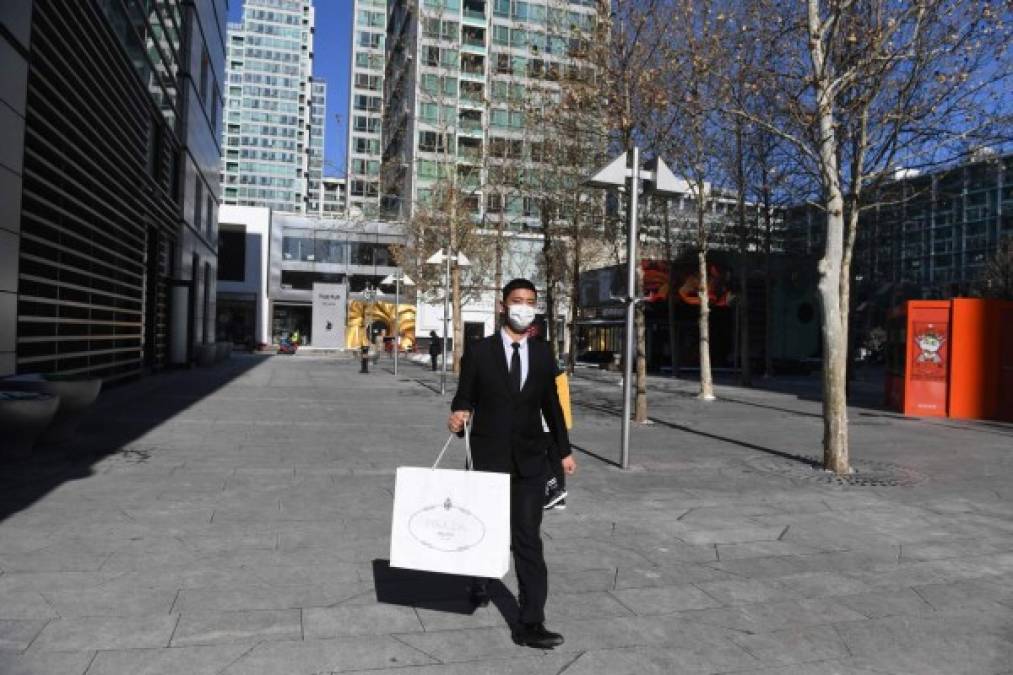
(455, 522)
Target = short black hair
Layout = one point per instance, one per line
(518, 283)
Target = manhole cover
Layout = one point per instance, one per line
(864, 473)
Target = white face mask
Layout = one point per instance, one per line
(520, 316)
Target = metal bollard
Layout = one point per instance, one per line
(364, 351)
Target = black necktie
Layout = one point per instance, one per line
(515, 367)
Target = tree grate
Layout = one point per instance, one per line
(865, 473)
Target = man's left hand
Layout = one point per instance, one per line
(569, 465)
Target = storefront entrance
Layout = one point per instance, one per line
(236, 321)
(286, 319)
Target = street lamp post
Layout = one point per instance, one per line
(658, 179)
(398, 278)
(441, 258)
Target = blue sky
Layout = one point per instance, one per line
(331, 54)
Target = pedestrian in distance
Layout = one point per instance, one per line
(435, 348)
(506, 387)
(378, 346)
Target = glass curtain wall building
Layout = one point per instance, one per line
(111, 138)
(925, 235)
(270, 120)
(365, 106)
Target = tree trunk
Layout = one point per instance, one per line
(575, 299)
(768, 291)
(458, 327)
(550, 280)
(500, 226)
(673, 336)
(835, 352)
(706, 380)
(746, 369)
(455, 291)
(640, 407)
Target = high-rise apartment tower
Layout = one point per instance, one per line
(271, 117)
(365, 106)
(459, 79)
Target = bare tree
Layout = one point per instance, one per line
(997, 278)
(630, 54)
(699, 139)
(862, 87)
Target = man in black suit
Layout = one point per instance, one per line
(507, 387)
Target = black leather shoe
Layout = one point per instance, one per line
(479, 596)
(535, 635)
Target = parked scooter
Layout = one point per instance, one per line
(287, 346)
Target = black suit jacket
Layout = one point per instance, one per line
(507, 433)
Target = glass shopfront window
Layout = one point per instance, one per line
(298, 247)
(364, 253)
(330, 251)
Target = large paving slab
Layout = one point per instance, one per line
(235, 520)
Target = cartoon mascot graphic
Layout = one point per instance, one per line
(929, 343)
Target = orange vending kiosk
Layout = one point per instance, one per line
(951, 358)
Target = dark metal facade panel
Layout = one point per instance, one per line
(100, 215)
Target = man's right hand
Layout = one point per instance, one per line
(457, 419)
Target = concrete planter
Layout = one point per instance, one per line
(24, 415)
(75, 397)
(206, 354)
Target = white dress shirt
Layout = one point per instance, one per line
(509, 352)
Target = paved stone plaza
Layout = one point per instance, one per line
(234, 520)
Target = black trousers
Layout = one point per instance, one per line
(527, 499)
(432, 359)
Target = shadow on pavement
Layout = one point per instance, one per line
(438, 592)
(801, 459)
(604, 460)
(121, 415)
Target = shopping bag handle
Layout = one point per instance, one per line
(467, 445)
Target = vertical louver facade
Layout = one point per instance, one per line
(119, 186)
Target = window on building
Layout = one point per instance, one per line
(366, 146)
(504, 64)
(367, 81)
(369, 253)
(209, 221)
(367, 124)
(431, 56)
(297, 246)
(232, 255)
(431, 141)
(205, 72)
(198, 202)
(330, 251)
(369, 40)
(367, 103)
(371, 61)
